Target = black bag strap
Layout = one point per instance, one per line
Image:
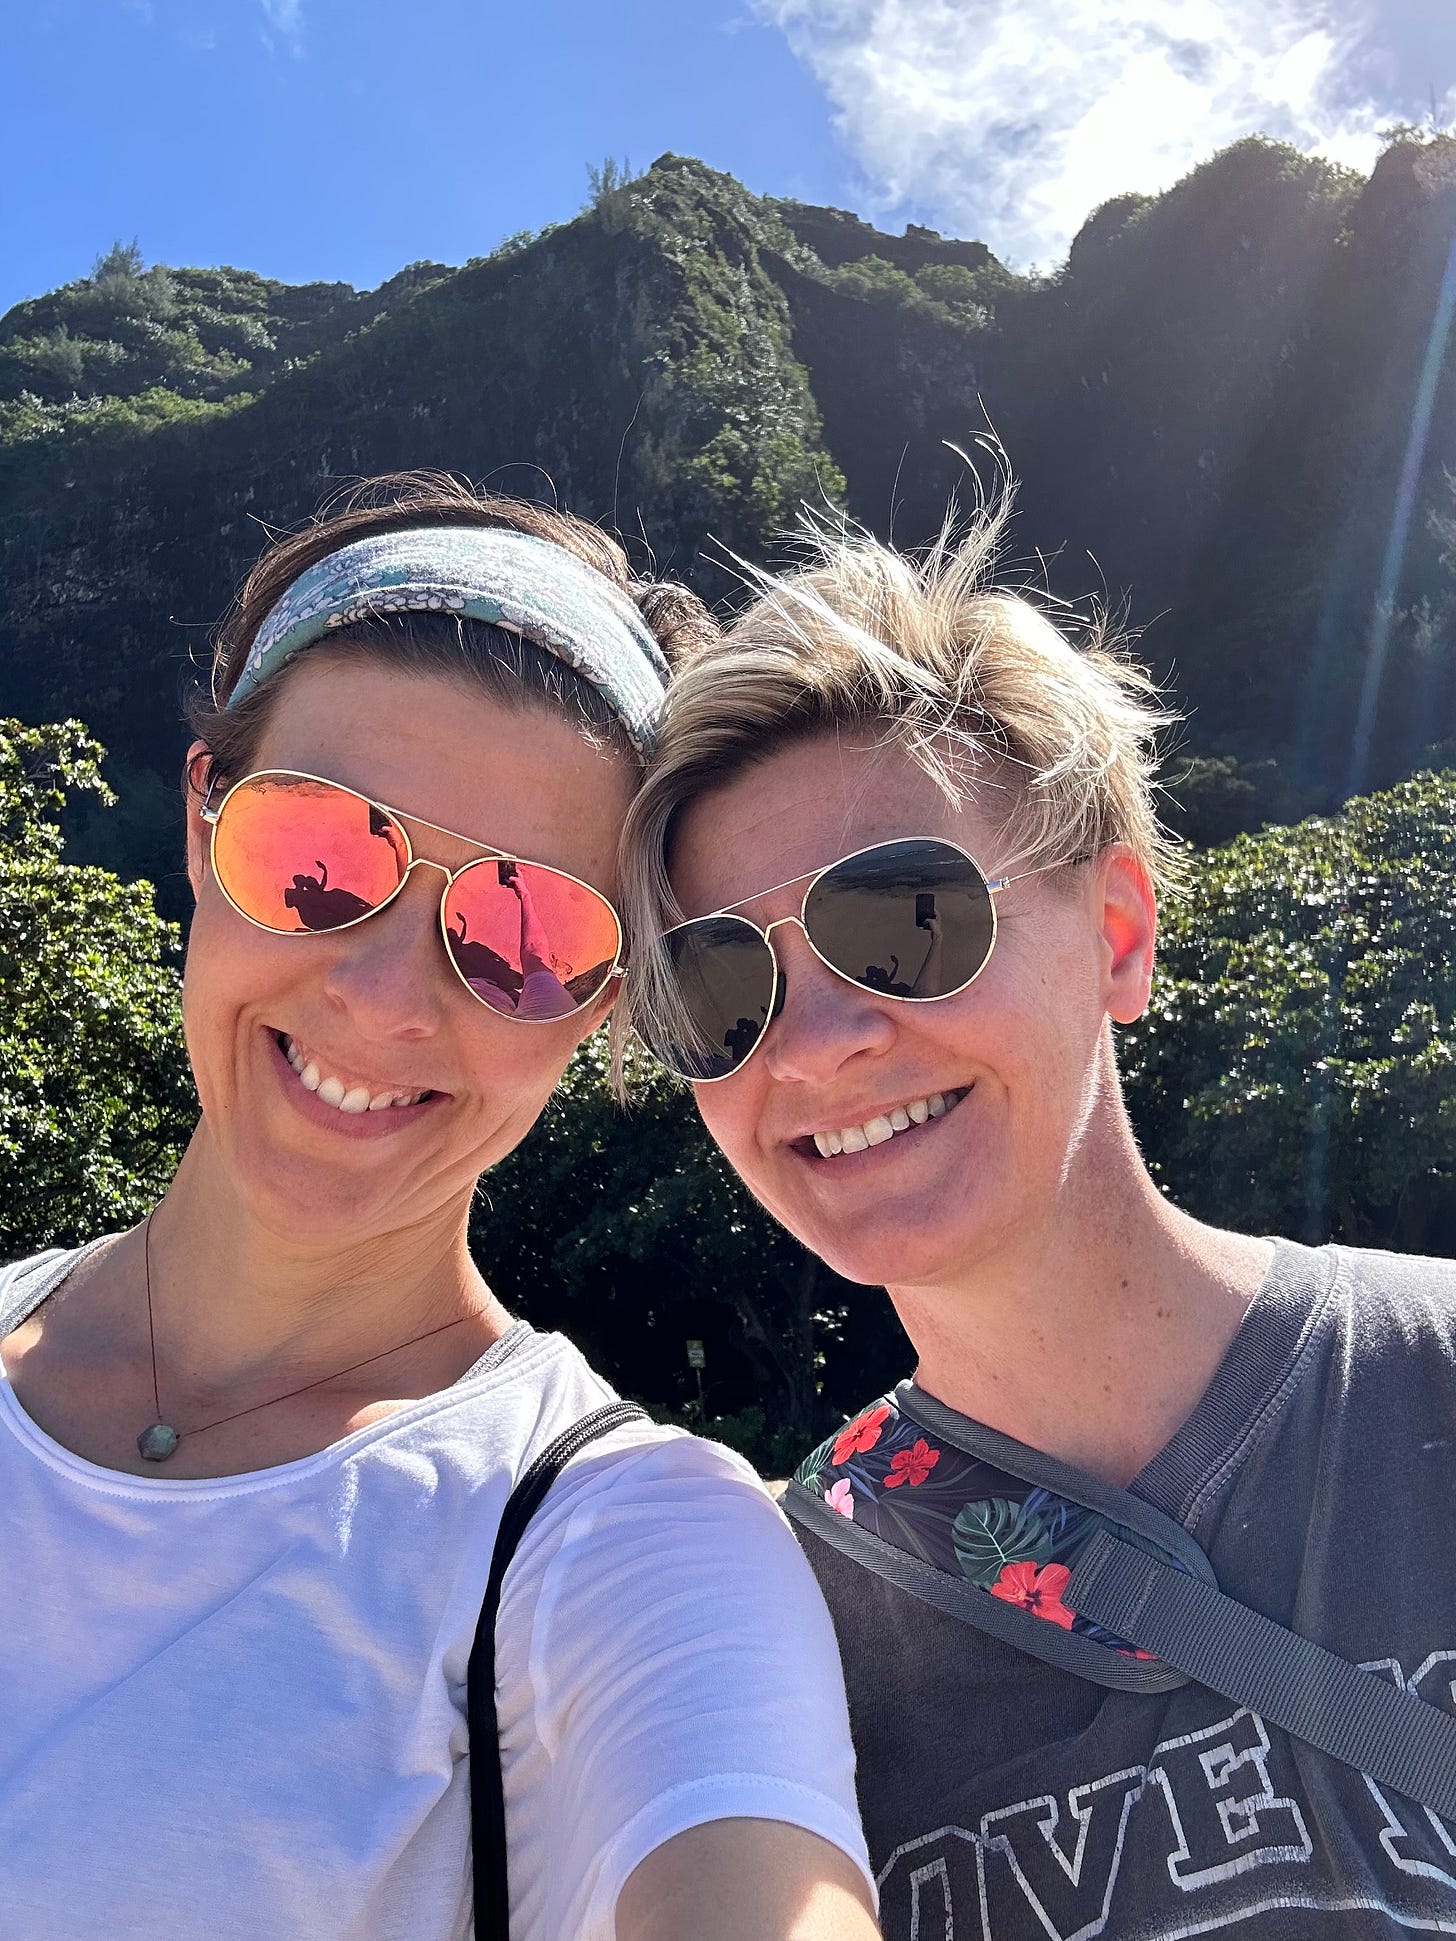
(487, 1793)
(1354, 1715)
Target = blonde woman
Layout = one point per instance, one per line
(1106, 1570)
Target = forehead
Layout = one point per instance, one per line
(520, 779)
(813, 801)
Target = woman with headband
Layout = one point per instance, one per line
(255, 1454)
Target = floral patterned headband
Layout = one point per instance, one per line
(512, 579)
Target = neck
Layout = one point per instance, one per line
(234, 1300)
(1092, 1334)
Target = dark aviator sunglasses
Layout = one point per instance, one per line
(913, 919)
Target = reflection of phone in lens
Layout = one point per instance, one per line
(924, 909)
(507, 874)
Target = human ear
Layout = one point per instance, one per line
(1128, 923)
(194, 786)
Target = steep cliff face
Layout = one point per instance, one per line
(1234, 402)
(635, 363)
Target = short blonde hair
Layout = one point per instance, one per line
(974, 682)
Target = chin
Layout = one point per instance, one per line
(292, 1192)
(890, 1259)
(913, 1239)
(294, 1199)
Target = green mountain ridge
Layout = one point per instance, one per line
(1210, 410)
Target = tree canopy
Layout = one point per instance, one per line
(1296, 1072)
(95, 1097)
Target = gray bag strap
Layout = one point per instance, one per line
(1354, 1715)
(25, 1284)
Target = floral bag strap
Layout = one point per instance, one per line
(487, 1791)
(1095, 1581)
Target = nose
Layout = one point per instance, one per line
(824, 1020)
(388, 973)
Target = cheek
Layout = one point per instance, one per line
(730, 1113)
(230, 966)
(1046, 1034)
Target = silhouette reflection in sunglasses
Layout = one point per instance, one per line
(534, 990)
(877, 978)
(743, 1037)
(319, 907)
(484, 970)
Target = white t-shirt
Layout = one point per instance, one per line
(233, 1709)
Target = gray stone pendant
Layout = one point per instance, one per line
(156, 1442)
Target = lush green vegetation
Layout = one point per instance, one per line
(127, 329)
(1297, 1071)
(95, 1098)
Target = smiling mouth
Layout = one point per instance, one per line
(343, 1094)
(882, 1128)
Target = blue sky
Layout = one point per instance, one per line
(345, 138)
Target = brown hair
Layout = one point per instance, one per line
(508, 667)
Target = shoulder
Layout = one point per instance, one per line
(671, 1497)
(25, 1283)
(1393, 1302)
(1371, 1337)
(643, 1490)
(1382, 1300)
(651, 1539)
(664, 1659)
(1418, 1277)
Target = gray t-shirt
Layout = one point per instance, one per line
(1010, 1801)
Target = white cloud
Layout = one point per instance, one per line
(1013, 119)
(285, 18)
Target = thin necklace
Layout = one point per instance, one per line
(159, 1440)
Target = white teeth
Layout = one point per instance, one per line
(884, 1125)
(334, 1092)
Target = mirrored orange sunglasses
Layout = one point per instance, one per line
(297, 854)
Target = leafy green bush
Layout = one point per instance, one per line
(877, 281)
(1297, 1070)
(95, 1098)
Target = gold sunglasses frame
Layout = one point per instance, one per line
(212, 815)
(810, 879)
